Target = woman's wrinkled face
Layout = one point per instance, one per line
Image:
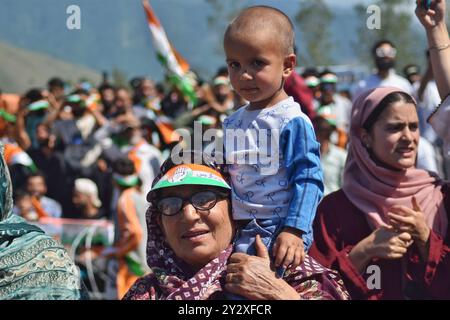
(394, 137)
(197, 237)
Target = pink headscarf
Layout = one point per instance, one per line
(374, 189)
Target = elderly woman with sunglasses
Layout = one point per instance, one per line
(190, 235)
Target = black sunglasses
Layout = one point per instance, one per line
(202, 201)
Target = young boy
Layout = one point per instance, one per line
(278, 201)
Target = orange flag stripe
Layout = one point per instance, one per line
(181, 61)
(151, 16)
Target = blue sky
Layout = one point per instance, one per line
(114, 32)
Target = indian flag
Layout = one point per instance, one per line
(15, 155)
(175, 64)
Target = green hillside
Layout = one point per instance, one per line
(22, 69)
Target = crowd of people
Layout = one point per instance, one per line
(354, 187)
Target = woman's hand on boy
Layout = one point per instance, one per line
(253, 278)
(288, 249)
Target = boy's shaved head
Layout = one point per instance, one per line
(264, 19)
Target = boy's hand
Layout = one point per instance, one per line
(288, 248)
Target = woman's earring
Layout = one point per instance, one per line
(366, 145)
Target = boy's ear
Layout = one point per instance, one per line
(290, 61)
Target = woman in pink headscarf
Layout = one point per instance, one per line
(386, 231)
